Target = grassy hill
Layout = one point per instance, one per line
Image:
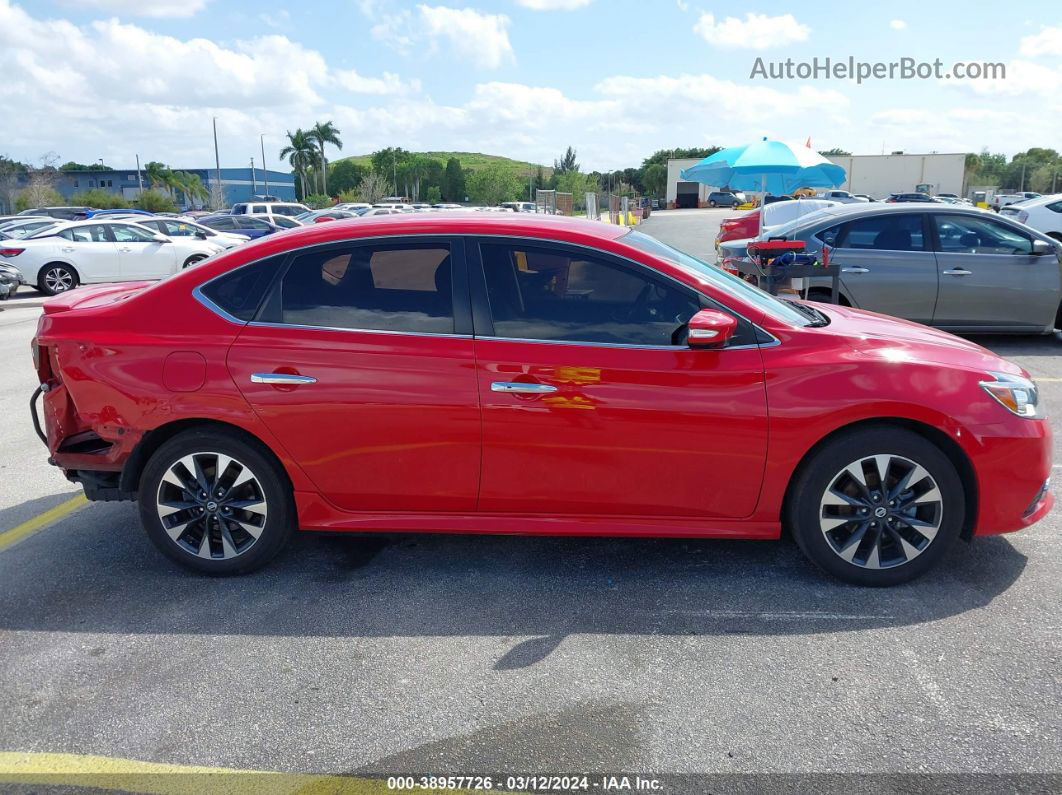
(469, 161)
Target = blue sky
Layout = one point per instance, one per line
(524, 78)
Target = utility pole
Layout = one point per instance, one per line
(139, 179)
(394, 171)
(217, 161)
(265, 171)
(254, 182)
(1022, 188)
(530, 182)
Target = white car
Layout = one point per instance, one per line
(351, 206)
(842, 196)
(290, 209)
(20, 229)
(179, 227)
(60, 257)
(1044, 214)
(384, 210)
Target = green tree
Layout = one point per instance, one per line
(835, 152)
(577, 184)
(38, 197)
(100, 198)
(190, 185)
(453, 183)
(654, 178)
(566, 163)
(324, 133)
(317, 201)
(492, 185)
(300, 153)
(434, 195)
(71, 165)
(346, 175)
(156, 201)
(661, 156)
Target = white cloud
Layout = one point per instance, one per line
(482, 38)
(682, 5)
(1047, 42)
(387, 84)
(149, 8)
(1023, 78)
(553, 5)
(755, 32)
(898, 24)
(275, 19)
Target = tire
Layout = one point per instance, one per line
(713, 203)
(55, 278)
(881, 549)
(192, 260)
(256, 497)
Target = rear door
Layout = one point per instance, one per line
(92, 252)
(989, 277)
(140, 255)
(887, 265)
(361, 363)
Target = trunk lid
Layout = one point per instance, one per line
(93, 296)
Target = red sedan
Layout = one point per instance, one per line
(526, 374)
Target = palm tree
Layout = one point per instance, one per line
(158, 174)
(300, 153)
(322, 134)
(191, 185)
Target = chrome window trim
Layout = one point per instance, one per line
(197, 293)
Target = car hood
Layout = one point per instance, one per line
(893, 339)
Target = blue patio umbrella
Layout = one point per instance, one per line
(772, 167)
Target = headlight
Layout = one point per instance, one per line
(1017, 394)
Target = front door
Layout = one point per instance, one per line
(989, 277)
(140, 255)
(592, 402)
(361, 363)
(92, 252)
(887, 265)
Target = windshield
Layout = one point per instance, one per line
(719, 279)
(796, 224)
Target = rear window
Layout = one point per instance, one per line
(240, 292)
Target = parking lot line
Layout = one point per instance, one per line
(40, 521)
(131, 775)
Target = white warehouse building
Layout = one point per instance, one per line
(874, 175)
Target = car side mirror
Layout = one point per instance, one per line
(201, 235)
(710, 328)
(1041, 247)
(161, 239)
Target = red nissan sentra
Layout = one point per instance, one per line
(527, 374)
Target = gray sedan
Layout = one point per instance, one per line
(960, 269)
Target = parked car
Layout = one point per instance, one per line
(104, 213)
(725, 198)
(865, 197)
(10, 280)
(374, 211)
(251, 226)
(319, 216)
(174, 227)
(957, 268)
(289, 209)
(572, 377)
(448, 206)
(352, 206)
(761, 222)
(1001, 200)
(739, 227)
(60, 257)
(772, 199)
(841, 196)
(62, 213)
(1043, 214)
(520, 207)
(910, 197)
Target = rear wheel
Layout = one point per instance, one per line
(877, 506)
(56, 278)
(216, 503)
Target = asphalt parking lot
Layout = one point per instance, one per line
(441, 654)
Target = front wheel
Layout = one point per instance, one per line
(56, 278)
(192, 260)
(216, 503)
(713, 203)
(877, 506)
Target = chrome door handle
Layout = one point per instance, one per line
(957, 272)
(522, 389)
(282, 378)
(855, 269)
(68, 250)
(125, 248)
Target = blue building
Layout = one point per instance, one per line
(237, 184)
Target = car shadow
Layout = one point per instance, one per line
(97, 572)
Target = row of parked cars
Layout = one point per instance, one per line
(57, 248)
(959, 268)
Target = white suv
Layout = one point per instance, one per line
(290, 209)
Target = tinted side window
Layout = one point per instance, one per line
(130, 234)
(239, 293)
(384, 288)
(886, 232)
(962, 234)
(86, 234)
(224, 222)
(551, 294)
(830, 235)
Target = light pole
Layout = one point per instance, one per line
(254, 182)
(217, 162)
(265, 171)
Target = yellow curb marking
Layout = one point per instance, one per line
(38, 522)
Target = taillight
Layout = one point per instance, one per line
(42, 362)
(11, 252)
(729, 264)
